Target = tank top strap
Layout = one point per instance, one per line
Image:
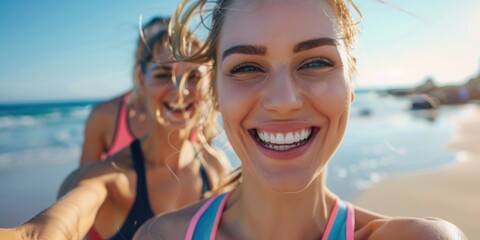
(122, 135)
(206, 185)
(341, 223)
(203, 173)
(139, 166)
(140, 211)
(204, 224)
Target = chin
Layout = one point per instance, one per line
(176, 125)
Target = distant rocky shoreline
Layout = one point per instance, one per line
(430, 96)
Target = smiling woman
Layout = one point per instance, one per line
(282, 83)
(171, 167)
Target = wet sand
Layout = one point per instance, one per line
(451, 193)
(26, 192)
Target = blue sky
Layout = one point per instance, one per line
(61, 50)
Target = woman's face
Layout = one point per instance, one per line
(283, 89)
(171, 100)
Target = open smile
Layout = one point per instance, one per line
(178, 108)
(283, 141)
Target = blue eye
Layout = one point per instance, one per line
(245, 69)
(316, 64)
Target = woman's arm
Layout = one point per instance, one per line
(10, 233)
(70, 217)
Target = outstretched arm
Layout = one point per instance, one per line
(69, 218)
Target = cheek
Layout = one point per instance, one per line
(331, 94)
(192, 91)
(156, 94)
(234, 97)
(319, 89)
(235, 100)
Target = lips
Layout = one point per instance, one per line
(283, 141)
(178, 107)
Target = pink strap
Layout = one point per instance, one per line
(93, 234)
(331, 220)
(122, 136)
(350, 222)
(218, 216)
(196, 217)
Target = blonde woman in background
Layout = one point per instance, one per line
(113, 124)
(171, 167)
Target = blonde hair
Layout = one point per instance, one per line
(153, 39)
(206, 53)
(147, 40)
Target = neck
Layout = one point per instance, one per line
(301, 215)
(166, 146)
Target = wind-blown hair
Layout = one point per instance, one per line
(153, 39)
(212, 15)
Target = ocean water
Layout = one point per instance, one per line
(391, 140)
(40, 145)
(33, 135)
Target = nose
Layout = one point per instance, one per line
(282, 95)
(179, 86)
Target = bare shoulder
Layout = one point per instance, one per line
(100, 172)
(107, 108)
(99, 130)
(102, 116)
(372, 226)
(171, 225)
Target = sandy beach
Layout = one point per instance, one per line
(451, 193)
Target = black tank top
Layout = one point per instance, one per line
(141, 210)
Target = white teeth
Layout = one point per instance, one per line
(280, 139)
(289, 138)
(285, 138)
(282, 147)
(266, 136)
(178, 107)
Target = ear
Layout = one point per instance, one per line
(352, 96)
(140, 82)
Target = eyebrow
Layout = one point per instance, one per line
(161, 67)
(313, 43)
(245, 49)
